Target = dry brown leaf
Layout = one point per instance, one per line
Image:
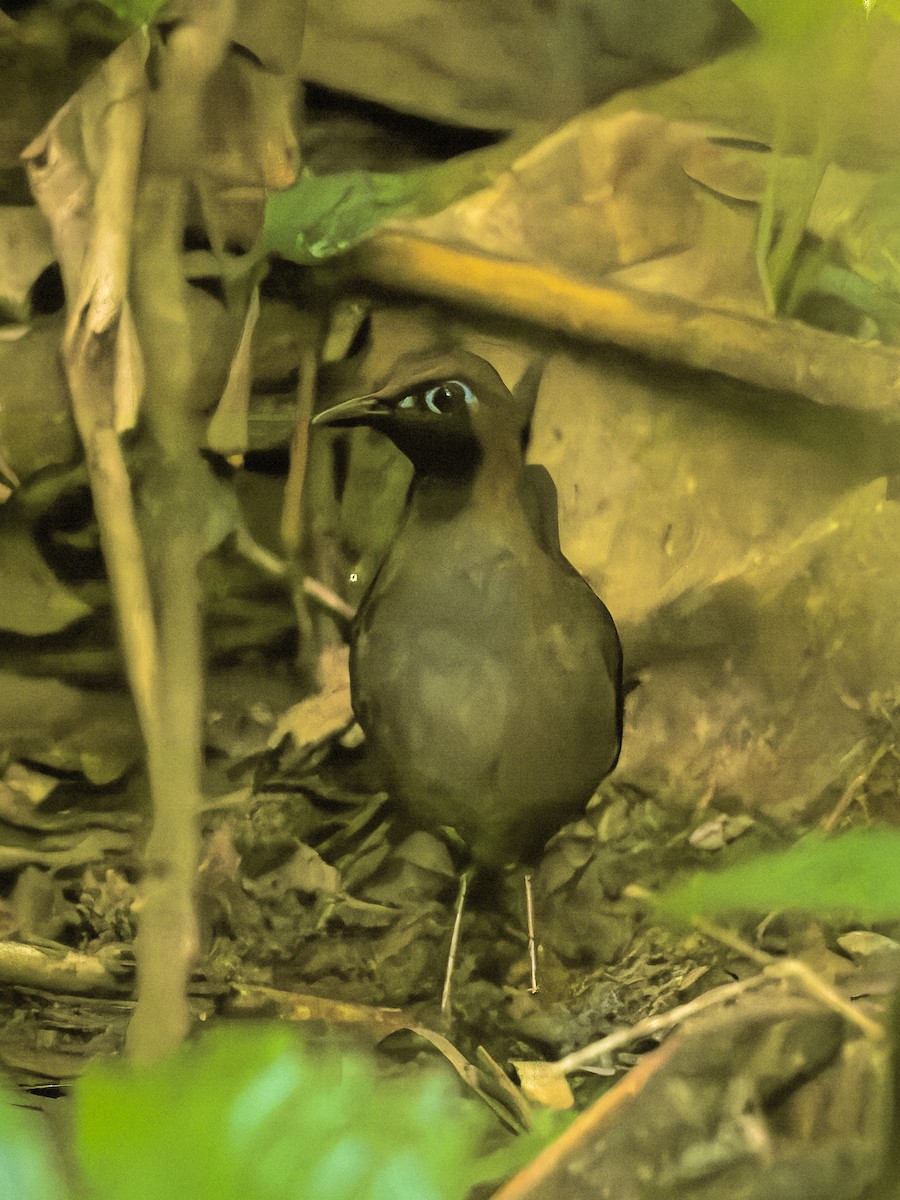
(83, 171)
(506, 1101)
(305, 871)
(328, 712)
(493, 64)
(542, 1085)
(25, 251)
(32, 785)
(424, 850)
(228, 432)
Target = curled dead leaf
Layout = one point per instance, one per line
(542, 1084)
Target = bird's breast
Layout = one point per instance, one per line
(479, 674)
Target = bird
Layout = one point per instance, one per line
(484, 671)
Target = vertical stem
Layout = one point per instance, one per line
(167, 939)
(294, 495)
(124, 557)
(292, 512)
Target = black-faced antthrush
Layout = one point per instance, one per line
(485, 673)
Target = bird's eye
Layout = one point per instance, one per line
(450, 397)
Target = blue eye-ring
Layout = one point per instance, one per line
(446, 397)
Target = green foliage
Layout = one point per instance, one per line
(789, 21)
(856, 873)
(131, 12)
(134, 12)
(825, 50)
(248, 1111)
(324, 215)
(793, 21)
(26, 1171)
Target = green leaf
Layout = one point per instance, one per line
(856, 873)
(250, 1111)
(133, 12)
(789, 21)
(324, 215)
(26, 1170)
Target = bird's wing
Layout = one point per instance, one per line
(537, 492)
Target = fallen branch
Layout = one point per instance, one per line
(66, 970)
(782, 354)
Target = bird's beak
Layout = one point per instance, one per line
(361, 410)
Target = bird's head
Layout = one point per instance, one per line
(444, 411)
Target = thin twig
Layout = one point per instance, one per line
(734, 941)
(851, 791)
(652, 1025)
(793, 968)
(277, 568)
(327, 598)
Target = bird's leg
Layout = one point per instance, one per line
(454, 941)
(532, 942)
